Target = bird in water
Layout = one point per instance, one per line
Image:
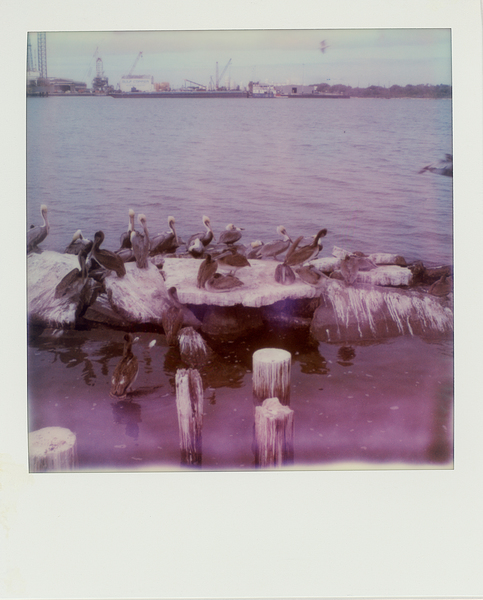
(37, 234)
(198, 242)
(126, 235)
(231, 235)
(298, 256)
(125, 372)
(207, 269)
(78, 243)
(442, 287)
(230, 261)
(222, 283)
(140, 243)
(443, 167)
(164, 242)
(107, 259)
(311, 275)
(277, 247)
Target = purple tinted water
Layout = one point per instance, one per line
(351, 166)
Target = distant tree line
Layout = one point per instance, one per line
(423, 90)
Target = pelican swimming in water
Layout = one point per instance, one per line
(207, 269)
(37, 234)
(277, 247)
(231, 261)
(231, 235)
(140, 243)
(298, 256)
(198, 242)
(164, 242)
(222, 283)
(125, 372)
(126, 235)
(78, 243)
(107, 259)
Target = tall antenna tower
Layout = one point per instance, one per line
(30, 61)
(42, 53)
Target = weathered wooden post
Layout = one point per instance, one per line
(52, 449)
(271, 374)
(189, 402)
(193, 349)
(273, 434)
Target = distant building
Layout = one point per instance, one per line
(260, 90)
(163, 86)
(295, 90)
(137, 83)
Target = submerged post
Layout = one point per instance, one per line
(52, 449)
(189, 402)
(271, 374)
(273, 434)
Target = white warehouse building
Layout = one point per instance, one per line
(141, 83)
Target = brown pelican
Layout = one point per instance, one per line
(222, 283)
(140, 244)
(349, 267)
(198, 242)
(75, 275)
(443, 167)
(298, 256)
(273, 249)
(284, 274)
(126, 235)
(106, 258)
(206, 271)
(78, 243)
(125, 372)
(231, 261)
(36, 235)
(311, 275)
(176, 316)
(442, 287)
(255, 249)
(164, 242)
(231, 235)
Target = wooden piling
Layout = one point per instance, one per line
(271, 375)
(193, 349)
(273, 434)
(189, 402)
(52, 449)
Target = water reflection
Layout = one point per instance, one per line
(346, 354)
(129, 414)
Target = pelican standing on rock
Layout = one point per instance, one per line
(164, 242)
(36, 235)
(311, 275)
(78, 243)
(231, 261)
(106, 258)
(298, 256)
(198, 242)
(126, 235)
(207, 269)
(349, 267)
(140, 243)
(273, 249)
(222, 283)
(125, 372)
(231, 235)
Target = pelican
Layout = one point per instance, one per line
(125, 372)
(140, 244)
(442, 287)
(445, 167)
(231, 261)
(78, 243)
(106, 258)
(284, 274)
(75, 275)
(311, 275)
(298, 256)
(207, 269)
(222, 283)
(126, 235)
(36, 235)
(349, 267)
(175, 316)
(256, 245)
(199, 241)
(164, 242)
(273, 249)
(231, 235)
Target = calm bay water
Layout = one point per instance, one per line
(351, 166)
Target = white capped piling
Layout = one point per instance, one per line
(189, 402)
(193, 349)
(273, 434)
(271, 374)
(52, 449)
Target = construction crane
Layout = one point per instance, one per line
(134, 65)
(222, 73)
(198, 84)
(89, 69)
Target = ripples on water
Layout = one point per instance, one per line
(351, 166)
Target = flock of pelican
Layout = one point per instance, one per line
(222, 257)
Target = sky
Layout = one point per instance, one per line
(355, 57)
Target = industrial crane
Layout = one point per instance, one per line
(135, 63)
(222, 73)
(200, 85)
